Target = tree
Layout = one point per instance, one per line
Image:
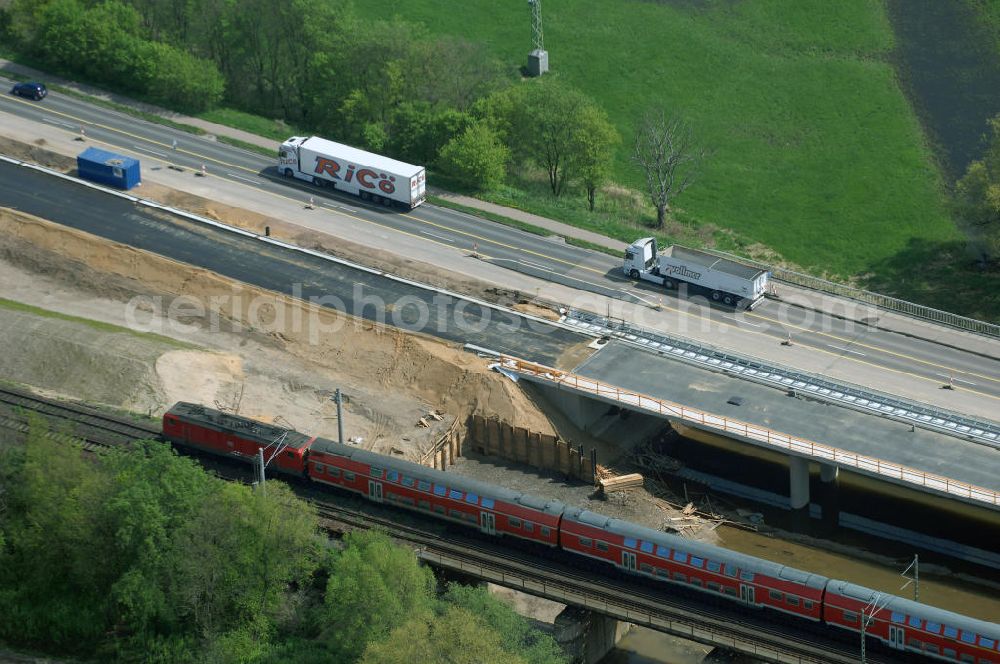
(456, 637)
(517, 636)
(594, 143)
(374, 587)
(978, 196)
(476, 157)
(669, 158)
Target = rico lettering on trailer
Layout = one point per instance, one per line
(363, 176)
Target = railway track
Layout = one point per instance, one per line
(95, 428)
(554, 579)
(561, 582)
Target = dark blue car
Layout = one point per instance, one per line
(34, 91)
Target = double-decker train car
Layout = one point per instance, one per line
(710, 569)
(491, 509)
(213, 431)
(904, 624)
(661, 557)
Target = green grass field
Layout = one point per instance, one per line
(817, 153)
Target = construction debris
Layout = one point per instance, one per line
(630, 481)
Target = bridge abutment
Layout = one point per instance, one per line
(587, 636)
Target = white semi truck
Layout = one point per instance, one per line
(721, 279)
(341, 167)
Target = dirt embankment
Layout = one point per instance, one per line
(395, 375)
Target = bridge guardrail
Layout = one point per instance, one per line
(776, 439)
(868, 297)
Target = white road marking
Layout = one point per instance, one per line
(60, 123)
(957, 380)
(440, 237)
(846, 350)
(535, 265)
(240, 177)
(158, 154)
(742, 322)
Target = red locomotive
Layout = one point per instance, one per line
(899, 623)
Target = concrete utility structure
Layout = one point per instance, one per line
(538, 59)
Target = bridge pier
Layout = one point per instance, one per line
(587, 636)
(798, 482)
(829, 476)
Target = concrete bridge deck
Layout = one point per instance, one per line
(831, 435)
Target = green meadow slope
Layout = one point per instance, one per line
(816, 151)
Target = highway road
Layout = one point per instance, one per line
(523, 252)
(280, 269)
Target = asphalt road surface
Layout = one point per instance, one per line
(275, 268)
(517, 250)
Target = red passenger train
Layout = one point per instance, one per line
(753, 582)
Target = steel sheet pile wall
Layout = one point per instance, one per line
(500, 439)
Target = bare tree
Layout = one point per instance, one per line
(666, 152)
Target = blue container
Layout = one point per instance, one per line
(109, 168)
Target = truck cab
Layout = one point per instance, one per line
(640, 257)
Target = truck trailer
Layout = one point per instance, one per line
(341, 167)
(721, 279)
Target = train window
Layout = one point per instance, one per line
(439, 509)
(696, 561)
(318, 467)
(679, 577)
(712, 585)
(546, 532)
(986, 643)
(730, 570)
(968, 637)
(968, 658)
(792, 600)
(335, 472)
(471, 518)
(680, 556)
(408, 482)
(916, 644)
(393, 476)
(850, 616)
(930, 648)
(714, 566)
(808, 605)
(914, 622)
(348, 476)
(774, 595)
(424, 504)
(643, 567)
(662, 573)
(586, 541)
(290, 454)
(602, 546)
(950, 653)
(472, 498)
(529, 526)
(440, 490)
(729, 591)
(695, 582)
(663, 552)
(455, 514)
(646, 547)
(514, 522)
(950, 632)
(932, 627)
(630, 542)
(376, 473)
(746, 576)
(455, 495)
(487, 503)
(409, 501)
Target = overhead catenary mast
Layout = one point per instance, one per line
(538, 59)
